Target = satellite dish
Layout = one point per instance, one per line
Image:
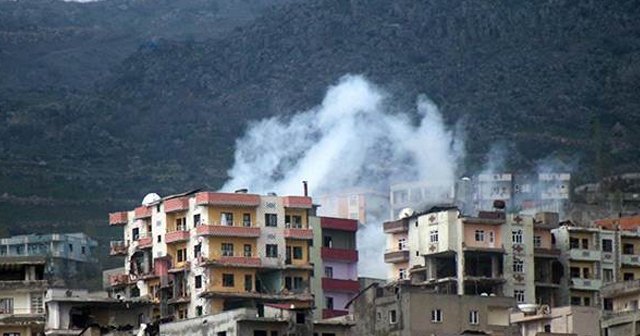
(406, 212)
(150, 198)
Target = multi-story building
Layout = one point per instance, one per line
(335, 261)
(67, 254)
(490, 254)
(418, 195)
(538, 320)
(404, 309)
(363, 205)
(202, 253)
(548, 268)
(22, 288)
(620, 302)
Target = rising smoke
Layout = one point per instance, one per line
(354, 138)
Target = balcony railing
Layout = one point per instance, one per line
(227, 199)
(145, 242)
(341, 224)
(584, 254)
(118, 218)
(330, 313)
(118, 248)
(298, 233)
(143, 212)
(586, 284)
(231, 259)
(176, 236)
(546, 252)
(340, 285)
(338, 254)
(400, 225)
(301, 202)
(631, 260)
(396, 256)
(176, 204)
(21, 311)
(228, 231)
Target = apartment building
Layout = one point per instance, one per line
(363, 205)
(335, 261)
(67, 255)
(538, 320)
(201, 253)
(416, 195)
(405, 309)
(22, 288)
(491, 254)
(620, 302)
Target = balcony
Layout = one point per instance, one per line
(340, 285)
(338, 254)
(228, 231)
(306, 234)
(176, 204)
(118, 218)
(546, 252)
(145, 242)
(630, 260)
(118, 248)
(397, 226)
(22, 284)
(341, 224)
(143, 212)
(586, 284)
(233, 260)
(330, 313)
(117, 280)
(583, 254)
(397, 256)
(176, 236)
(227, 199)
(300, 202)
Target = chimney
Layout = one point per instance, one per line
(306, 188)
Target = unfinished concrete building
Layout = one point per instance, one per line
(22, 288)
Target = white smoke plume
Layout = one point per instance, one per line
(354, 138)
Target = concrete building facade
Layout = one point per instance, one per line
(621, 315)
(22, 288)
(364, 205)
(538, 320)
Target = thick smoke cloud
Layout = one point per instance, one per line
(354, 138)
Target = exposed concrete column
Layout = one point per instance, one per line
(494, 266)
(431, 268)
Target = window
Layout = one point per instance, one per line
(6, 306)
(587, 301)
(518, 265)
(607, 245)
(547, 328)
(393, 319)
(297, 252)
(182, 314)
(436, 315)
(135, 234)
(197, 251)
(627, 249)
(402, 244)
(607, 275)
(516, 236)
(575, 272)
(353, 200)
(271, 220)
(246, 220)
(479, 235)
(196, 221)
(198, 280)
(247, 251)
(198, 310)
(221, 333)
(181, 224)
(227, 250)
(226, 218)
(36, 302)
(627, 276)
(227, 280)
(518, 295)
(182, 255)
(401, 273)
(83, 250)
(576, 301)
(248, 282)
(586, 273)
(300, 318)
(585, 243)
(327, 241)
(328, 272)
(473, 317)
(329, 301)
(159, 238)
(433, 236)
(574, 243)
(70, 247)
(293, 221)
(537, 241)
(272, 251)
